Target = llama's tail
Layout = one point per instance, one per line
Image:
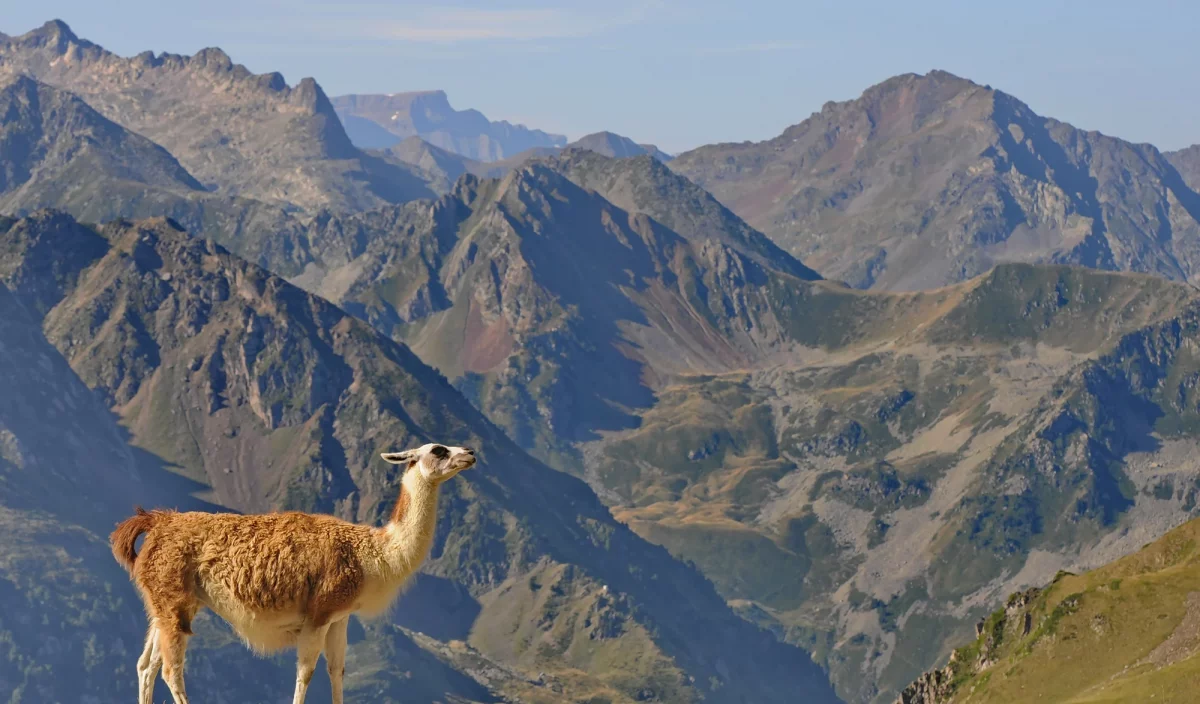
(126, 534)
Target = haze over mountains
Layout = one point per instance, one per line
(381, 121)
(441, 168)
(852, 475)
(387, 121)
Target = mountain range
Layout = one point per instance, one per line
(54, 142)
(833, 396)
(236, 133)
(441, 168)
(837, 462)
(259, 396)
(550, 304)
(929, 180)
(381, 121)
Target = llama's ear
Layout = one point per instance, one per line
(398, 457)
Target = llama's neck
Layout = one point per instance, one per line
(408, 535)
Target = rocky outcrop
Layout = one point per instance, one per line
(1014, 621)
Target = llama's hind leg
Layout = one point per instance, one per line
(308, 651)
(172, 643)
(148, 666)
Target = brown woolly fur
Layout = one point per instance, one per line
(126, 534)
(280, 579)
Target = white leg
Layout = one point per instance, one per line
(148, 666)
(172, 644)
(335, 656)
(308, 650)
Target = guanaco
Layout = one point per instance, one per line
(281, 580)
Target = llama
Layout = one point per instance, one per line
(281, 579)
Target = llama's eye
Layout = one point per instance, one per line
(439, 452)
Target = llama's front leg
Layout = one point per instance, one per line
(308, 650)
(148, 666)
(335, 656)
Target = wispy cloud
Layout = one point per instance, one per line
(433, 24)
(465, 25)
(756, 47)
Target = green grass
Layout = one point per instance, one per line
(1089, 634)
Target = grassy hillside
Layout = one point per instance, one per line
(1126, 632)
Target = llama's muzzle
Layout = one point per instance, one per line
(465, 459)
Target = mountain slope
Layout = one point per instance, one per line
(920, 456)
(239, 134)
(56, 149)
(929, 180)
(441, 168)
(268, 397)
(645, 186)
(59, 152)
(428, 115)
(551, 307)
(1126, 632)
(1187, 162)
(67, 475)
(859, 472)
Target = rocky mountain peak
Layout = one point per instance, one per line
(55, 150)
(609, 144)
(644, 184)
(902, 104)
(432, 100)
(926, 180)
(309, 94)
(213, 57)
(238, 133)
(54, 34)
(616, 146)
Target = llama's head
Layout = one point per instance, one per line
(435, 462)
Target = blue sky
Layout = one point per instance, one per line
(682, 74)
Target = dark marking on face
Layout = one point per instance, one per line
(439, 452)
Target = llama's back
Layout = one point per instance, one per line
(265, 574)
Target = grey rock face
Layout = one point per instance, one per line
(237, 133)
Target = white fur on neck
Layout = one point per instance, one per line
(407, 542)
